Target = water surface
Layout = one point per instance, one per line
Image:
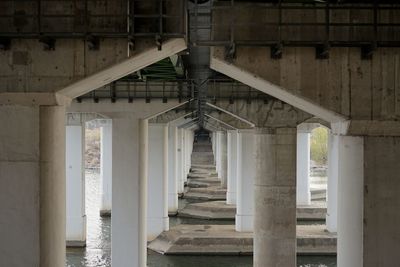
(98, 250)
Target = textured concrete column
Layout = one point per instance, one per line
(275, 197)
(332, 192)
(129, 185)
(106, 168)
(214, 145)
(179, 172)
(172, 173)
(32, 186)
(52, 186)
(218, 153)
(232, 137)
(75, 184)
(381, 201)
(303, 167)
(350, 204)
(224, 159)
(183, 156)
(245, 180)
(187, 152)
(158, 220)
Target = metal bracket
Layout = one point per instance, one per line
(276, 51)
(158, 42)
(48, 43)
(322, 51)
(5, 43)
(230, 52)
(93, 42)
(367, 51)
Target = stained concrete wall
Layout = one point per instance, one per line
(359, 89)
(381, 201)
(263, 114)
(19, 186)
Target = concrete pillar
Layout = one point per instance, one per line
(381, 201)
(75, 184)
(179, 172)
(157, 216)
(52, 186)
(172, 173)
(188, 152)
(275, 197)
(245, 180)
(303, 167)
(183, 156)
(106, 168)
(350, 202)
(224, 159)
(232, 137)
(214, 146)
(32, 186)
(332, 190)
(218, 155)
(129, 185)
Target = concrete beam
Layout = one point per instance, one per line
(246, 77)
(274, 113)
(126, 67)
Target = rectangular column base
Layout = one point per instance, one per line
(244, 223)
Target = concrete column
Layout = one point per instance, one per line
(303, 167)
(180, 180)
(75, 184)
(214, 145)
(350, 202)
(216, 153)
(129, 185)
(275, 198)
(52, 186)
(218, 156)
(183, 156)
(232, 137)
(172, 173)
(32, 186)
(188, 152)
(157, 216)
(332, 192)
(106, 168)
(224, 159)
(381, 201)
(245, 180)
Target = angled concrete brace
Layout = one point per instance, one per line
(130, 65)
(231, 114)
(189, 123)
(221, 122)
(276, 91)
(218, 125)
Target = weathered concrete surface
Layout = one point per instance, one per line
(209, 193)
(337, 85)
(202, 182)
(219, 210)
(224, 240)
(213, 210)
(381, 201)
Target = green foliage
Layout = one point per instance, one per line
(319, 145)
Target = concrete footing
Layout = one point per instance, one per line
(224, 240)
(207, 194)
(219, 210)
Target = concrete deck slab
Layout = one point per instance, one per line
(224, 240)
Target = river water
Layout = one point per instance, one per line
(98, 250)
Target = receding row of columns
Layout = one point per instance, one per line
(259, 163)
